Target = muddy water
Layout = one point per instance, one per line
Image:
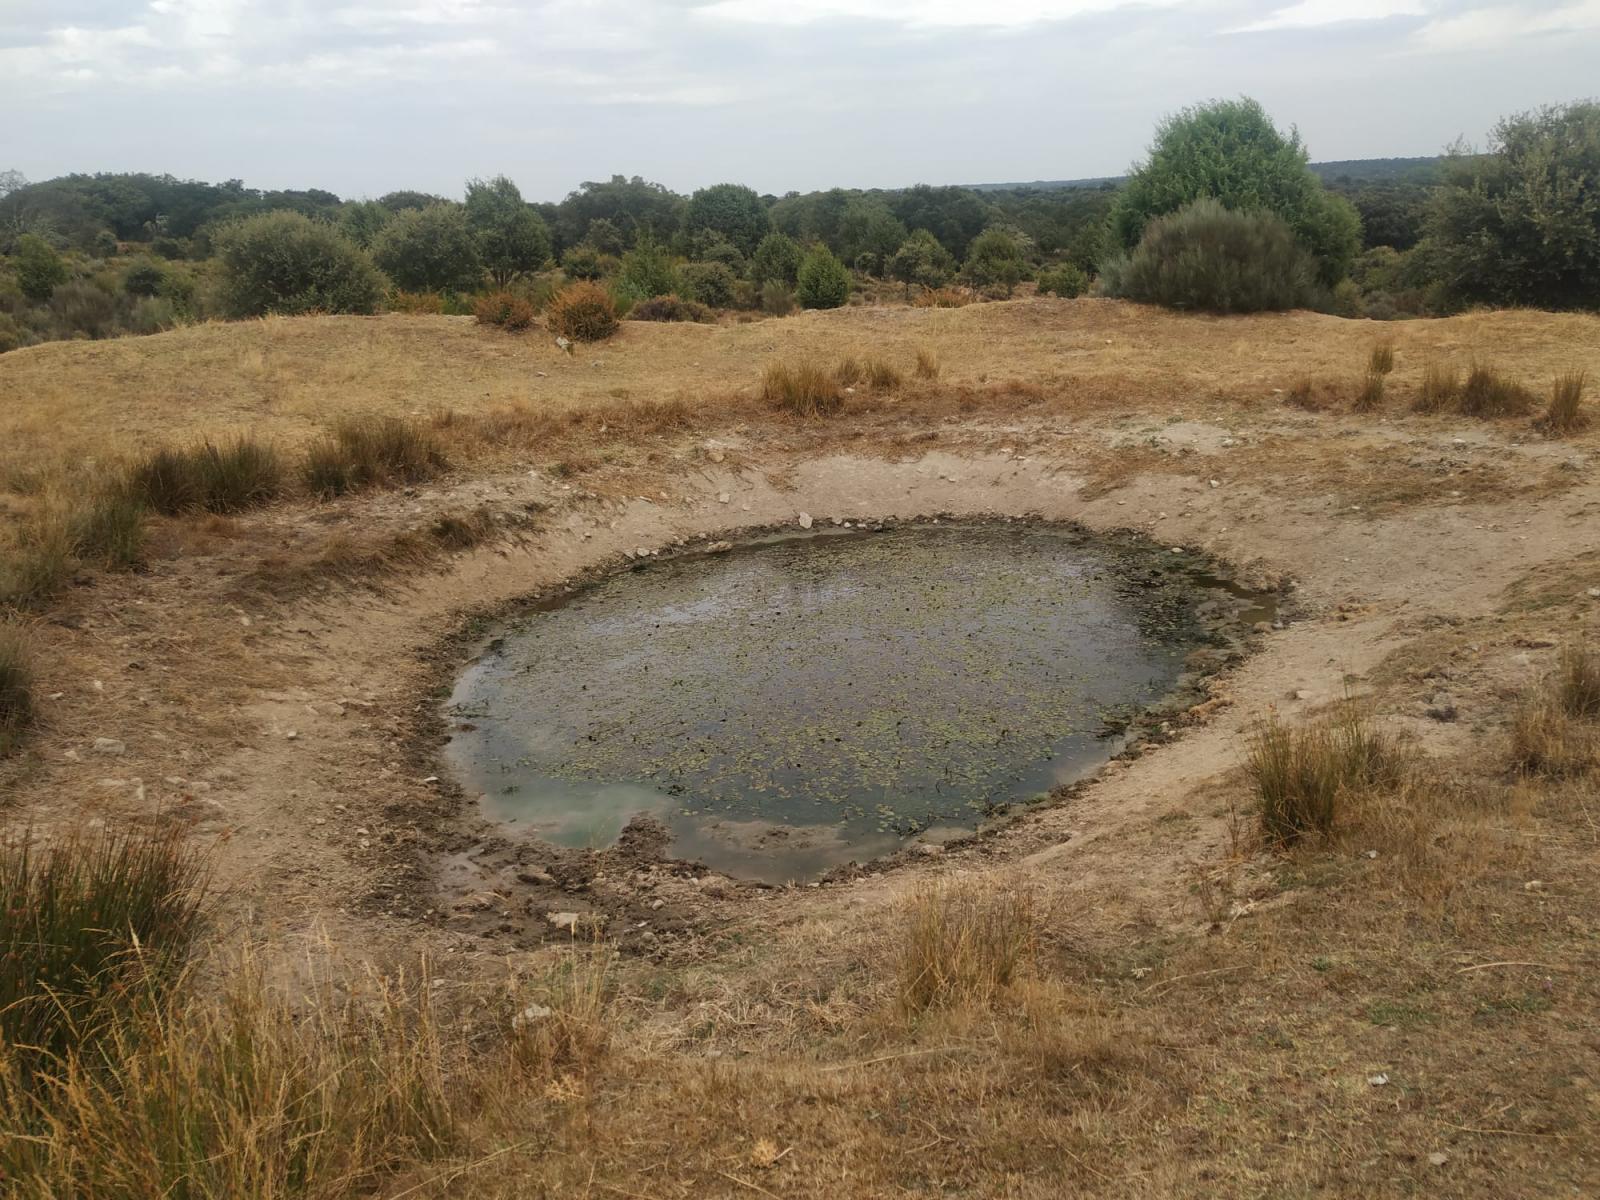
(801, 702)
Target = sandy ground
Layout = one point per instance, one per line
(298, 726)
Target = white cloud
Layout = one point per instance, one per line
(1493, 27)
(1313, 14)
(946, 14)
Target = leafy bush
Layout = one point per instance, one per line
(776, 298)
(95, 923)
(512, 238)
(1067, 281)
(1230, 152)
(144, 277)
(583, 312)
(282, 262)
(80, 309)
(647, 271)
(995, 261)
(804, 389)
(1521, 224)
(776, 260)
(670, 308)
(364, 452)
(16, 687)
(430, 249)
(241, 474)
(921, 261)
(1213, 259)
(823, 281)
(363, 220)
(505, 309)
(39, 268)
(583, 261)
(709, 283)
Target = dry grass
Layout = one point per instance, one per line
(364, 452)
(1565, 414)
(1488, 393)
(240, 474)
(1556, 730)
(803, 389)
(561, 1024)
(1302, 777)
(927, 364)
(16, 685)
(965, 943)
(1441, 384)
(1370, 397)
(462, 531)
(1381, 360)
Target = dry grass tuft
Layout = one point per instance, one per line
(561, 1025)
(1441, 384)
(1370, 397)
(1556, 731)
(364, 452)
(882, 376)
(233, 477)
(804, 389)
(1302, 776)
(1489, 394)
(965, 943)
(849, 371)
(462, 531)
(1565, 412)
(1381, 361)
(16, 687)
(927, 364)
(1577, 683)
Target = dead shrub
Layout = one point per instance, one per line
(1565, 414)
(804, 389)
(965, 942)
(583, 312)
(1301, 776)
(671, 308)
(507, 310)
(416, 303)
(942, 298)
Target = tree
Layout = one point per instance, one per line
(869, 234)
(954, 215)
(732, 210)
(995, 260)
(823, 281)
(362, 220)
(778, 257)
(430, 250)
(711, 283)
(284, 262)
(511, 237)
(636, 207)
(1230, 151)
(39, 268)
(1521, 224)
(647, 271)
(602, 233)
(923, 261)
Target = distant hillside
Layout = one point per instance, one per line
(1353, 170)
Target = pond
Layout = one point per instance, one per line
(800, 702)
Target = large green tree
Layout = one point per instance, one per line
(1521, 224)
(430, 250)
(922, 260)
(512, 238)
(284, 262)
(1230, 151)
(732, 210)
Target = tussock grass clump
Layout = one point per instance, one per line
(462, 531)
(1577, 683)
(562, 1024)
(1301, 776)
(1565, 414)
(37, 558)
(804, 389)
(95, 924)
(1381, 361)
(250, 1093)
(965, 943)
(927, 365)
(1556, 731)
(1441, 384)
(1489, 394)
(16, 691)
(942, 298)
(849, 371)
(882, 376)
(108, 530)
(233, 477)
(365, 452)
(1370, 397)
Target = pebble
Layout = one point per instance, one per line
(563, 920)
(723, 497)
(805, 520)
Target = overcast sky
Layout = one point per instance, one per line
(366, 96)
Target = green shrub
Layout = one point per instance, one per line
(583, 312)
(233, 477)
(776, 260)
(1067, 281)
(16, 688)
(96, 923)
(995, 261)
(709, 283)
(364, 452)
(1209, 258)
(670, 308)
(144, 277)
(282, 262)
(430, 249)
(732, 210)
(647, 271)
(922, 262)
(363, 220)
(505, 309)
(823, 280)
(585, 262)
(80, 309)
(804, 389)
(39, 269)
(512, 238)
(1229, 151)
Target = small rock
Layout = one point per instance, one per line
(1534, 885)
(563, 920)
(657, 905)
(719, 547)
(1594, 593)
(535, 875)
(1302, 694)
(723, 497)
(1214, 483)
(293, 735)
(109, 746)
(1378, 1080)
(534, 1012)
(1438, 1158)
(805, 520)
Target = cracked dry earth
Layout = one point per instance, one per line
(300, 731)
